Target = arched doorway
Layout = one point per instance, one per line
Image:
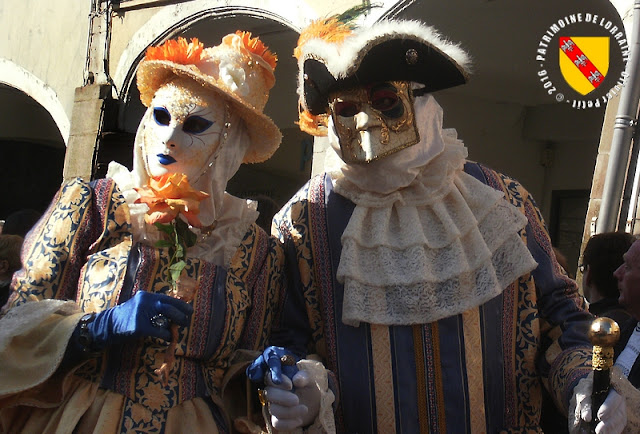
(31, 153)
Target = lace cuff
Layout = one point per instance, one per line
(632, 397)
(33, 341)
(621, 385)
(581, 392)
(325, 421)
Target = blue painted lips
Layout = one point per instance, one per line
(165, 160)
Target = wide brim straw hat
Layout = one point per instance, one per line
(240, 70)
(333, 56)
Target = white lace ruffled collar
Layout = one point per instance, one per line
(435, 247)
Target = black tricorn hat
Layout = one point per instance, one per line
(386, 51)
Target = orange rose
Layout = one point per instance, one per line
(169, 195)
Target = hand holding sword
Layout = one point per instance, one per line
(603, 335)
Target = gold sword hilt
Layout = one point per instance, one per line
(603, 334)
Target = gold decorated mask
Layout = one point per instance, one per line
(374, 121)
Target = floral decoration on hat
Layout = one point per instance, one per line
(256, 46)
(178, 51)
(240, 70)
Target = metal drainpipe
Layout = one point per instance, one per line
(623, 132)
(633, 202)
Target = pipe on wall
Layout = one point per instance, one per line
(623, 133)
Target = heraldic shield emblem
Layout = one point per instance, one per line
(584, 61)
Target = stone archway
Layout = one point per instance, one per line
(173, 20)
(19, 78)
(32, 152)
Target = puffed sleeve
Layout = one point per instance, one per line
(292, 328)
(564, 355)
(565, 319)
(45, 303)
(83, 218)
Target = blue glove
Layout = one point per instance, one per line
(274, 360)
(137, 318)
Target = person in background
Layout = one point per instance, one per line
(10, 246)
(628, 277)
(562, 260)
(140, 290)
(425, 283)
(601, 258)
(267, 207)
(20, 222)
(625, 373)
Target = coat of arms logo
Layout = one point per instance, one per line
(584, 61)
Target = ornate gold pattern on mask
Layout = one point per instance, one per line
(374, 121)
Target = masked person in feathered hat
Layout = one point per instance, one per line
(139, 289)
(425, 283)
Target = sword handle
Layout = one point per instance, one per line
(603, 334)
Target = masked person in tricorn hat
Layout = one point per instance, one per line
(139, 290)
(425, 283)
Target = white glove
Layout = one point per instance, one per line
(612, 413)
(292, 409)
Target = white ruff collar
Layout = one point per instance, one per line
(628, 356)
(442, 245)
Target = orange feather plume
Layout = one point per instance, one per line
(256, 46)
(177, 51)
(330, 29)
(316, 125)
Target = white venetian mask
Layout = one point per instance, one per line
(185, 130)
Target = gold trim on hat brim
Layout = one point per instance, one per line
(264, 134)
